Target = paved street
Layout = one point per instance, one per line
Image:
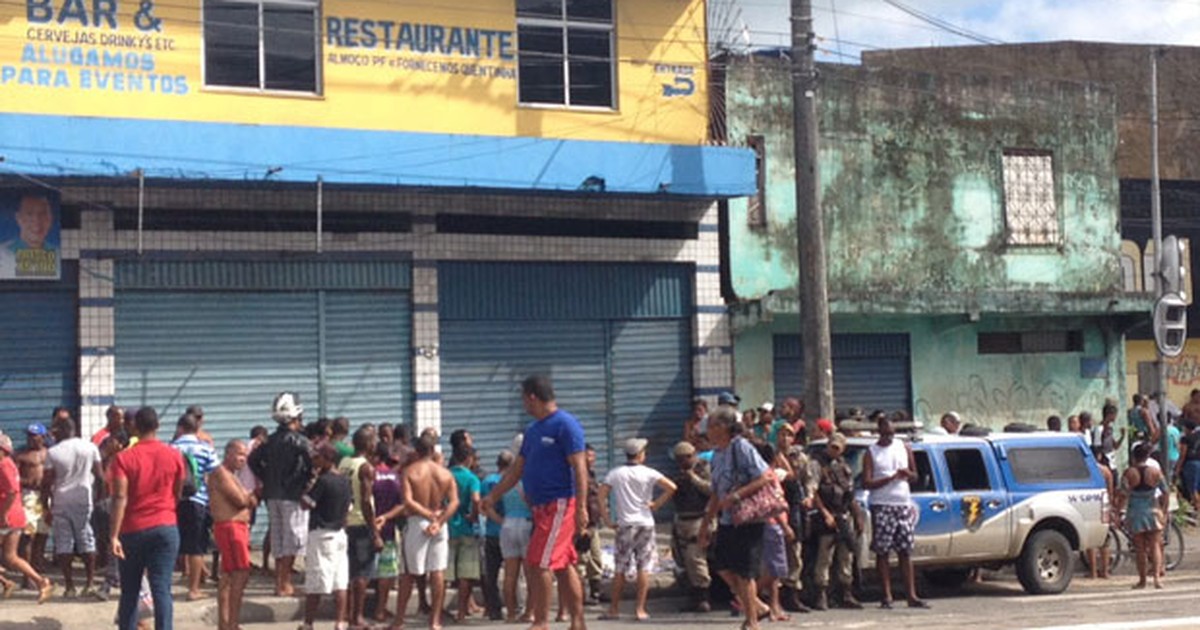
(998, 602)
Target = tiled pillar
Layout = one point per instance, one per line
(97, 369)
(427, 387)
(712, 352)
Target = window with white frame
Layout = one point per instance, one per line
(1030, 212)
(565, 51)
(270, 46)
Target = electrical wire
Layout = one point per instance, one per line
(942, 24)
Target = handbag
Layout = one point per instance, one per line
(768, 501)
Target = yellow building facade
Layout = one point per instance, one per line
(432, 66)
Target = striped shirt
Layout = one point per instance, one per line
(206, 462)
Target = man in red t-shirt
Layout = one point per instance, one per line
(147, 483)
(12, 523)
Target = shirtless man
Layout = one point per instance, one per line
(231, 505)
(1191, 410)
(430, 498)
(31, 461)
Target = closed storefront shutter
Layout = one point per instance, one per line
(483, 364)
(229, 336)
(230, 353)
(871, 371)
(615, 340)
(368, 356)
(651, 385)
(39, 359)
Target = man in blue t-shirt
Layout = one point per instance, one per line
(552, 466)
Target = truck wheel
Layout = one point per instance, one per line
(1046, 563)
(948, 578)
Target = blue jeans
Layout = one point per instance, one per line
(150, 551)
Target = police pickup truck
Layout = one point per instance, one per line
(1029, 499)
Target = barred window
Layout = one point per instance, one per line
(1030, 212)
(258, 45)
(565, 53)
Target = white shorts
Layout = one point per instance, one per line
(514, 538)
(424, 554)
(326, 562)
(289, 528)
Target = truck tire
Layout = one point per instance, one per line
(1046, 563)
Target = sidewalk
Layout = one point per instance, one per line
(22, 612)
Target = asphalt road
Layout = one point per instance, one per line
(997, 602)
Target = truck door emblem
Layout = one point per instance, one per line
(972, 512)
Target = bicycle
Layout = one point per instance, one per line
(1119, 543)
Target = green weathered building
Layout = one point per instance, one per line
(972, 238)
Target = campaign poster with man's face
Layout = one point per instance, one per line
(30, 236)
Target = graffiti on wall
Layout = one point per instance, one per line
(984, 401)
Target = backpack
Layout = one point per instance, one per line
(192, 481)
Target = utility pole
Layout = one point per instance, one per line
(810, 225)
(1160, 284)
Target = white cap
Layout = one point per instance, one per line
(767, 406)
(286, 407)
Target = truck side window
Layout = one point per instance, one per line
(967, 470)
(1053, 464)
(924, 483)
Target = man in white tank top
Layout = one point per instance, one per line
(887, 469)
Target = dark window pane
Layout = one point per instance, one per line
(593, 44)
(591, 67)
(541, 65)
(231, 44)
(289, 45)
(540, 8)
(539, 39)
(924, 483)
(591, 84)
(1048, 465)
(967, 470)
(590, 10)
(541, 80)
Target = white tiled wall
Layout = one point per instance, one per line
(97, 238)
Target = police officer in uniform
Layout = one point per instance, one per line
(694, 488)
(837, 526)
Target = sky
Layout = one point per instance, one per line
(846, 27)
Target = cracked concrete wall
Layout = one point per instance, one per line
(912, 187)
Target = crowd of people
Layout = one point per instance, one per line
(381, 510)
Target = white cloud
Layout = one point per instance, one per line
(876, 24)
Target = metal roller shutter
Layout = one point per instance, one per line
(871, 371)
(39, 359)
(368, 350)
(615, 338)
(230, 352)
(651, 385)
(484, 362)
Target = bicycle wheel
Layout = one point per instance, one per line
(1172, 546)
(1112, 543)
(1116, 544)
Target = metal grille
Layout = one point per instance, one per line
(1029, 206)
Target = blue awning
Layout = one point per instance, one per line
(76, 146)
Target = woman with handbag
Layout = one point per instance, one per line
(745, 495)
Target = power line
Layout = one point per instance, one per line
(942, 24)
